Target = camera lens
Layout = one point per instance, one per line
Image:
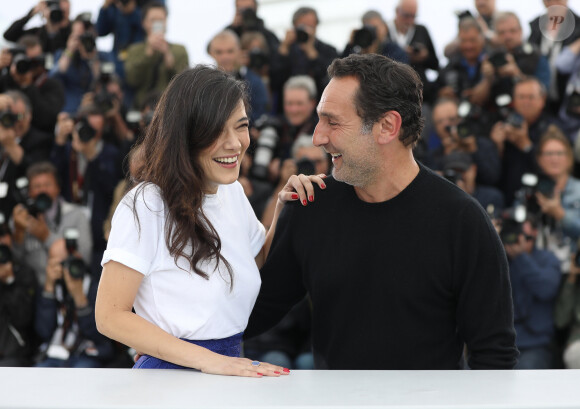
(5, 254)
(301, 35)
(7, 119)
(76, 267)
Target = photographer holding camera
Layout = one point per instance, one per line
(43, 219)
(301, 53)
(88, 167)
(246, 20)
(560, 208)
(151, 64)
(28, 74)
(53, 34)
(516, 135)
(457, 133)
(78, 66)
(21, 144)
(535, 278)
(373, 37)
(514, 59)
(17, 291)
(65, 318)
(568, 62)
(468, 75)
(225, 49)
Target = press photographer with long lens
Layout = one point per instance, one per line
(53, 33)
(513, 59)
(535, 278)
(461, 130)
(65, 318)
(17, 293)
(79, 65)
(43, 219)
(302, 53)
(21, 144)
(88, 167)
(246, 20)
(28, 74)
(517, 134)
(372, 37)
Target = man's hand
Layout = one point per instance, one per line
(519, 137)
(551, 206)
(64, 128)
(510, 69)
(516, 249)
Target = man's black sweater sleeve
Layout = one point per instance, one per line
(282, 284)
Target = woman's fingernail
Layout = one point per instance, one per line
(261, 374)
(277, 373)
(294, 196)
(304, 202)
(286, 370)
(323, 186)
(311, 198)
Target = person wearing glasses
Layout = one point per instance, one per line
(560, 208)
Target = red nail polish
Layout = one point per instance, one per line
(323, 186)
(304, 202)
(311, 198)
(294, 196)
(261, 374)
(286, 370)
(277, 373)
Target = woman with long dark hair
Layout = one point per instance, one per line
(185, 246)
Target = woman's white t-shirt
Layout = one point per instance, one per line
(176, 299)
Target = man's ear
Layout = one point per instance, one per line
(389, 127)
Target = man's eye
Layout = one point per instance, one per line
(332, 123)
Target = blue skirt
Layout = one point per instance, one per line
(231, 346)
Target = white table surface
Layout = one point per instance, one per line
(126, 388)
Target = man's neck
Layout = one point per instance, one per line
(394, 178)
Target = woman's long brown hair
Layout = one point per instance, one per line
(190, 116)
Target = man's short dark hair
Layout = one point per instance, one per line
(303, 11)
(42, 168)
(384, 85)
(152, 5)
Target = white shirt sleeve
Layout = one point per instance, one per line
(134, 241)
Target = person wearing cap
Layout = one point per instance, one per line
(459, 168)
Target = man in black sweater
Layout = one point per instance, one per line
(402, 267)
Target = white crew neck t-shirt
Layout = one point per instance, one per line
(176, 299)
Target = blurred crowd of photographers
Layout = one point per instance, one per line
(503, 123)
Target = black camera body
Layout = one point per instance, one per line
(5, 254)
(76, 267)
(250, 20)
(88, 42)
(24, 63)
(56, 14)
(258, 59)
(8, 119)
(364, 36)
(498, 59)
(573, 104)
(38, 205)
(514, 119)
(301, 35)
(85, 130)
